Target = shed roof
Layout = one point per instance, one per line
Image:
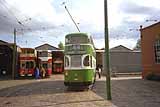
(120, 48)
(46, 47)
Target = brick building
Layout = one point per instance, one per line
(150, 44)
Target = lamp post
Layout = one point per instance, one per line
(107, 65)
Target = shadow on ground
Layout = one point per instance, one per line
(131, 92)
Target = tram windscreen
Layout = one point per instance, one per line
(29, 65)
(76, 61)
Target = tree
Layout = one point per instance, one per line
(138, 45)
(61, 46)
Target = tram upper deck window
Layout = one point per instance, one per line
(30, 51)
(77, 40)
(22, 65)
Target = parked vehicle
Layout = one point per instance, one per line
(27, 62)
(80, 61)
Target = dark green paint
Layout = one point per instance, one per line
(82, 75)
(107, 65)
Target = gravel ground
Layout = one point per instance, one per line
(51, 92)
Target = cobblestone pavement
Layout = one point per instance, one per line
(126, 92)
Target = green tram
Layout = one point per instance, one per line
(80, 60)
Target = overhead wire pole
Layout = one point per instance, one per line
(14, 55)
(72, 18)
(107, 63)
(14, 61)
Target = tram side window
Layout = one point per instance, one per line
(66, 62)
(86, 61)
(27, 64)
(31, 64)
(23, 65)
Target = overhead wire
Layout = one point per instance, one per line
(4, 4)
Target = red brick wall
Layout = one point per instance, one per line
(148, 38)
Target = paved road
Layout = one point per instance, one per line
(126, 92)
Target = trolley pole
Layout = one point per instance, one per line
(107, 64)
(72, 19)
(14, 55)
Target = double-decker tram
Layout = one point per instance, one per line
(47, 65)
(58, 61)
(45, 58)
(27, 62)
(58, 66)
(80, 61)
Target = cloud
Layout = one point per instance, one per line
(137, 9)
(42, 10)
(128, 42)
(50, 21)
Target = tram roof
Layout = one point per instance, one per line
(78, 33)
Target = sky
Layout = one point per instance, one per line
(47, 21)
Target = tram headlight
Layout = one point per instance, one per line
(66, 73)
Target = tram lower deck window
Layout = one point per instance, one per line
(66, 62)
(86, 61)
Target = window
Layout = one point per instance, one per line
(23, 65)
(49, 54)
(76, 47)
(82, 47)
(86, 61)
(67, 40)
(77, 40)
(66, 61)
(29, 65)
(76, 61)
(157, 51)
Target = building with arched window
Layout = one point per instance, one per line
(150, 44)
